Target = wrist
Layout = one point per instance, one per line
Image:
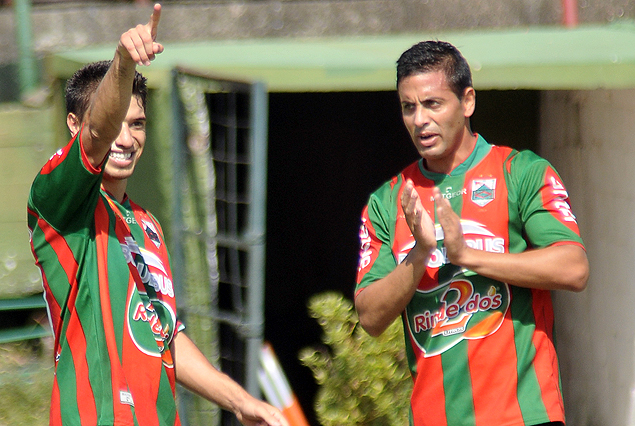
(463, 257)
(420, 254)
(237, 401)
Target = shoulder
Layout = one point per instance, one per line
(384, 203)
(519, 163)
(528, 158)
(391, 188)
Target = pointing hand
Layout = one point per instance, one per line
(139, 43)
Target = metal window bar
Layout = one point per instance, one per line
(224, 141)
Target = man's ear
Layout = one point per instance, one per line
(73, 123)
(469, 101)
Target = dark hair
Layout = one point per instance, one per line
(428, 56)
(83, 84)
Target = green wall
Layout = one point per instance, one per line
(26, 142)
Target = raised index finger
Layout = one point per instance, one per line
(153, 24)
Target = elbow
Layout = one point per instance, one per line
(368, 321)
(370, 327)
(579, 281)
(577, 277)
(571, 269)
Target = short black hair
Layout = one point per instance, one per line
(433, 55)
(83, 84)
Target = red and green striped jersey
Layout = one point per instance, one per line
(481, 352)
(109, 293)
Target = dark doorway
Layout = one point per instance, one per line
(327, 153)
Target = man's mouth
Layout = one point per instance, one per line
(120, 156)
(426, 137)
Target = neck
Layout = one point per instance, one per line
(447, 164)
(116, 188)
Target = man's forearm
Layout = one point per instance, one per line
(560, 267)
(194, 372)
(108, 108)
(384, 300)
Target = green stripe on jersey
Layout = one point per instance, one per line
(457, 385)
(65, 374)
(524, 327)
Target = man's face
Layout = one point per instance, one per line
(126, 150)
(436, 119)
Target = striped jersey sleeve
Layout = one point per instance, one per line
(542, 201)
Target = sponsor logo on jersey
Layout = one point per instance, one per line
(459, 305)
(483, 191)
(130, 220)
(476, 236)
(150, 267)
(145, 308)
(560, 199)
(144, 312)
(468, 307)
(450, 193)
(151, 232)
(365, 252)
(56, 159)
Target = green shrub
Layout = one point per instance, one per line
(362, 380)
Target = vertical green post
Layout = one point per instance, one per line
(259, 115)
(27, 67)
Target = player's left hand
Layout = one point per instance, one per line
(254, 412)
(139, 43)
(453, 239)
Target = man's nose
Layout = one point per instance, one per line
(125, 137)
(421, 117)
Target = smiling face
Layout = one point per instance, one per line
(437, 120)
(126, 150)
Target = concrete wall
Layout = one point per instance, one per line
(590, 138)
(66, 25)
(70, 25)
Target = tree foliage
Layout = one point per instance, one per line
(362, 380)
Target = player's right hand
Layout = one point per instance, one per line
(139, 43)
(418, 219)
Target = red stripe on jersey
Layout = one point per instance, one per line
(546, 360)
(488, 178)
(69, 265)
(486, 198)
(56, 159)
(139, 372)
(122, 413)
(428, 401)
(55, 418)
(77, 344)
(494, 404)
(53, 308)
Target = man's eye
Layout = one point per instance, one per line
(407, 107)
